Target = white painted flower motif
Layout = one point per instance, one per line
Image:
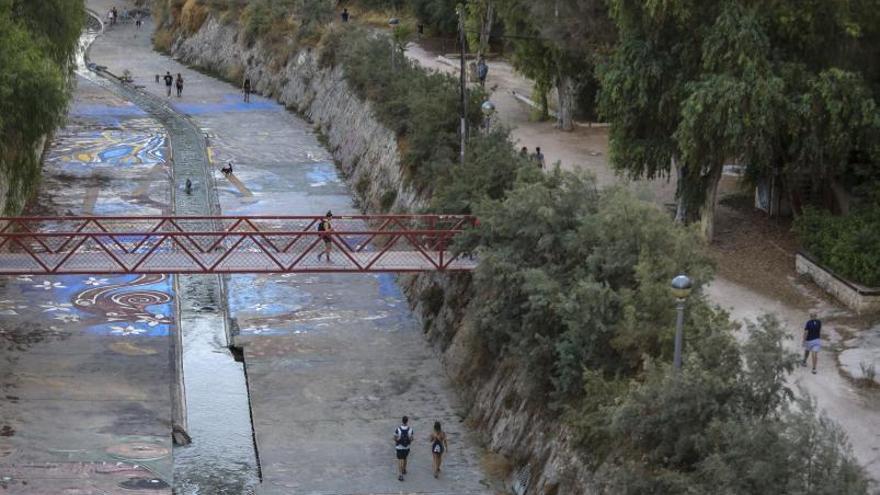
(257, 330)
(47, 285)
(126, 330)
(153, 320)
(95, 281)
(25, 278)
(50, 307)
(9, 307)
(259, 307)
(67, 318)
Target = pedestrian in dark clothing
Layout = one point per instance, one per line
(246, 89)
(420, 29)
(403, 437)
(169, 81)
(482, 71)
(188, 187)
(539, 157)
(179, 85)
(812, 340)
(138, 21)
(325, 227)
(344, 15)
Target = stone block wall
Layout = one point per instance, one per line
(856, 297)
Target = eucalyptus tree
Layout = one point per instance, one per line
(776, 85)
(558, 43)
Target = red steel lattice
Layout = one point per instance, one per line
(119, 245)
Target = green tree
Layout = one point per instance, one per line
(692, 85)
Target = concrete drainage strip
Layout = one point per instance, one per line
(199, 295)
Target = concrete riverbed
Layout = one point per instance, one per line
(330, 362)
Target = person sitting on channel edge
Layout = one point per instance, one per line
(227, 169)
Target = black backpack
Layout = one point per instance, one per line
(403, 439)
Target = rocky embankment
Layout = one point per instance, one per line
(533, 444)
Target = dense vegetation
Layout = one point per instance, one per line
(37, 43)
(850, 245)
(573, 286)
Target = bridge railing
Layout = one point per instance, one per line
(112, 245)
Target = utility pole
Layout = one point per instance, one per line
(462, 41)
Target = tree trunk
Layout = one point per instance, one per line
(707, 212)
(565, 88)
(486, 28)
(681, 205)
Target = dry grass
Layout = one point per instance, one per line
(163, 39)
(497, 466)
(192, 16)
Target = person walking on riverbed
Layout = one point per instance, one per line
(169, 80)
(179, 85)
(246, 89)
(403, 437)
(439, 446)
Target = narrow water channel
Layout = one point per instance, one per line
(221, 459)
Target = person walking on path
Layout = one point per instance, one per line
(482, 71)
(179, 84)
(325, 227)
(812, 339)
(403, 437)
(344, 15)
(439, 446)
(169, 80)
(524, 152)
(246, 89)
(138, 21)
(539, 157)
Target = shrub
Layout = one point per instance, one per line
(849, 245)
(571, 279)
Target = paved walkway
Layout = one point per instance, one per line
(585, 148)
(856, 409)
(333, 361)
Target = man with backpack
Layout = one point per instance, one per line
(403, 437)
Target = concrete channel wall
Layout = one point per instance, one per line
(366, 152)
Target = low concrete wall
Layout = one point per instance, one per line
(854, 296)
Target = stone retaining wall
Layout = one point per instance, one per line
(854, 296)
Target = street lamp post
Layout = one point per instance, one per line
(681, 288)
(488, 109)
(462, 41)
(393, 23)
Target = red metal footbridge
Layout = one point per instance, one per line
(230, 244)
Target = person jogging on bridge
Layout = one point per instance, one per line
(325, 227)
(169, 80)
(403, 437)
